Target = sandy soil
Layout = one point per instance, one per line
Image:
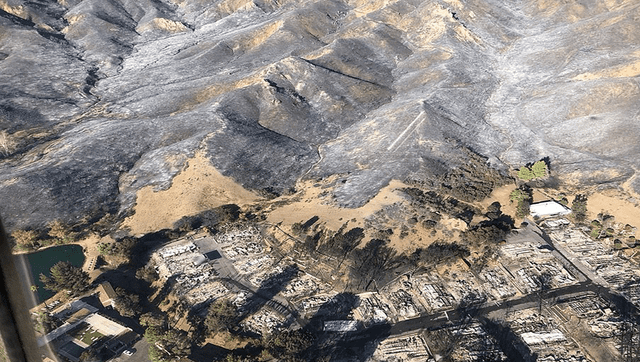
(447, 230)
(91, 253)
(311, 203)
(500, 194)
(626, 209)
(226, 340)
(197, 188)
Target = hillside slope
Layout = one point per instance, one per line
(100, 98)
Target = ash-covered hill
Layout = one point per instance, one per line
(99, 98)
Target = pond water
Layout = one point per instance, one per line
(42, 261)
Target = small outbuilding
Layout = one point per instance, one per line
(548, 209)
(106, 294)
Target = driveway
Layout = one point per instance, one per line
(141, 355)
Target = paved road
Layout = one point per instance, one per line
(438, 320)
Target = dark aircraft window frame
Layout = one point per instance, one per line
(16, 329)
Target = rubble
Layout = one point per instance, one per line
(302, 286)
(310, 305)
(341, 326)
(264, 322)
(533, 338)
(404, 348)
(400, 297)
(544, 336)
(372, 310)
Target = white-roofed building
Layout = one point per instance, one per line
(548, 209)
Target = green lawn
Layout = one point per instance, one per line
(86, 336)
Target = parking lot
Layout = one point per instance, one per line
(141, 353)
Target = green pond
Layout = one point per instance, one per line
(42, 261)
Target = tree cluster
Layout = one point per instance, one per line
(57, 233)
(166, 345)
(522, 197)
(45, 323)
(289, 346)
(438, 253)
(151, 319)
(121, 248)
(147, 273)
(93, 354)
(8, 143)
(127, 304)
(221, 316)
(492, 230)
(579, 207)
(446, 205)
(60, 232)
(373, 261)
(341, 243)
(470, 181)
(209, 219)
(65, 276)
(25, 239)
(535, 171)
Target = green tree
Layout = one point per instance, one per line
(539, 169)
(44, 322)
(91, 355)
(522, 198)
(127, 304)
(289, 345)
(60, 232)
(579, 207)
(221, 316)
(65, 276)
(151, 319)
(177, 343)
(25, 239)
(525, 173)
(165, 345)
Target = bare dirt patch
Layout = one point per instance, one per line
(625, 209)
(197, 188)
(312, 202)
(389, 209)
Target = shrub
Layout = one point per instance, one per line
(525, 173)
(60, 232)
(537, 170)
(523, 200)
(25, 239)
(579, 208)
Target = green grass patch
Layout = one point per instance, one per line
(86, 334)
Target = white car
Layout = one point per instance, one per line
(128, 352)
